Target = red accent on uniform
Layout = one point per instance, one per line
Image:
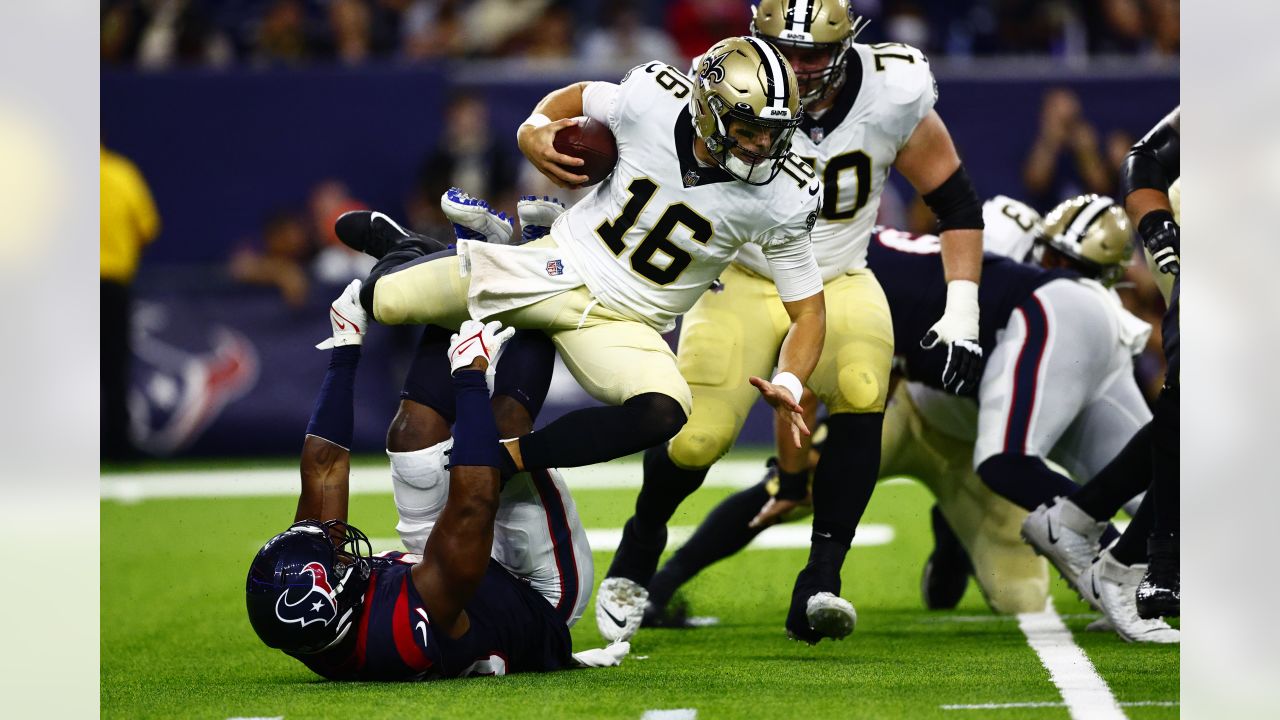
(403, 633)
(1035, 380)
(362, 635)
(555, 547)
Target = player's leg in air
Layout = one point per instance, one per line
(412, 283)
(538, 534)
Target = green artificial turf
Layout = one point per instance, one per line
(176, 642)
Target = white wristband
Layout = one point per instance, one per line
(962, 305)
(537, 120)
(790, 382)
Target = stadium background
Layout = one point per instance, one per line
(256, 122)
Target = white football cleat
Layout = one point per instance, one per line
(476, 339)
(620, 608)
(347, 318)
(1113, 588)
(473, 219)
(1064, 534)
(537, 215)
(831, 615)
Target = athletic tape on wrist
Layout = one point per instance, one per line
(791, 382)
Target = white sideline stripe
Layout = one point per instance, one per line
(365, 480)
(675, 714)
(776, 537)
(1084, 693)
(1007, 706)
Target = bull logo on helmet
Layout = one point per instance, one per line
(317, 604)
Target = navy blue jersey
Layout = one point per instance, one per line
(909, 268)
(513, 629)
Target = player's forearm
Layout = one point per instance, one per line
(326, 469)
(962, 255)
(457, 552)
(563, 103)
(803, 345)
(1146, 200)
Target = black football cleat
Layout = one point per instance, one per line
(946, 572)
(375, 234)
(1160, 591)
(674, 614)
(817, 611)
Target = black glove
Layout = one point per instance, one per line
(964, 364)
(1160, 233)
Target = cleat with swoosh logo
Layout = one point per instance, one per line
(1112, 587)
(620, 607)
(1065, 535)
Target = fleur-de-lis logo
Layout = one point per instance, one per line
(712, 69)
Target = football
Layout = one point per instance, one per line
(593, 142)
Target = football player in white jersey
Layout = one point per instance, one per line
(697, 177)
(930, 435)
(868, 109)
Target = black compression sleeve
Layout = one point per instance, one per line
(1153, 163)
(955, 203)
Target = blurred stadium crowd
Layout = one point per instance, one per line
(290, 33)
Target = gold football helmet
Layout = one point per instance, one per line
(1094, 232)
(827, 26)
(745, 107)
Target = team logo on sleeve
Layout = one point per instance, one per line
(316, 604)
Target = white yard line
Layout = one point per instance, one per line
(137, 487)
(1084, 693)
(1014, 705)
(776, 537)
(676, 714)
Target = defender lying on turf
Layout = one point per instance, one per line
(317, 593)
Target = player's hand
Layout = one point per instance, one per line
(347, 318)
(787, 407)
(1162, 237)
(958, 330)
(476, 344)
(773, 512)
(538, 145)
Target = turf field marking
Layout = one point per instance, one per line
(1084, 693)
(370, 479)
(774, 538)
(676, 714)
(1009, 706)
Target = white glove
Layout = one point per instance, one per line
(347, 318)
(476, 339)
(604, 657)
(958, 328)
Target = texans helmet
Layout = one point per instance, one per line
(304, 590)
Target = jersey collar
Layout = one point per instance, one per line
(845, 98)
(690, 168)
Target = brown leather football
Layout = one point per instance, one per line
(593, 142)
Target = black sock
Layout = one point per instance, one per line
(723, 533)
(846, 475)
(592, 435)
(1131, 548)
(1024, 480)
(1128, 474)
(1165, 456)
(424, 384)
(524, 371)
(666, 485)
